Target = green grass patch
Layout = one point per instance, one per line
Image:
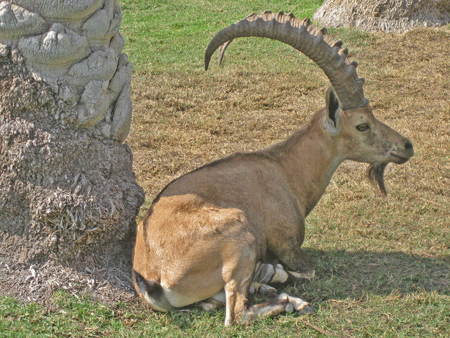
(382, 264)
(415, 314)
(69, 316)
(172, 35)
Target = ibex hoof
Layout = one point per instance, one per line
(305, 311)
(289, 308)
(267, 290)
(309, 275)
(262, 289)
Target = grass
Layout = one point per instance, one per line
(416, 314)
(382, 264)
(172, 35)
(69, 317)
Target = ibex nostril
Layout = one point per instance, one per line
(408, 145)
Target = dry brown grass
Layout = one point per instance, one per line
(183, 120)
(383, 259)
(382, 264)
(365, 248)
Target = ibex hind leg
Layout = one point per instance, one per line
(214, 302)
(238, 274)
(265, 274)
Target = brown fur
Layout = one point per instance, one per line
(207, 230)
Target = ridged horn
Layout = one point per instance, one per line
(314, 43)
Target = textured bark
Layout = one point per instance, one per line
(385, 15)
(66, 180)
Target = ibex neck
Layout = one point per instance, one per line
(309, 158)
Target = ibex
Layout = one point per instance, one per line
(207, 233)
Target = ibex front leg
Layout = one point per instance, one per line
(280, 304)
(285, 243)
(266, 274)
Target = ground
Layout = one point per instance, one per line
(186, 119)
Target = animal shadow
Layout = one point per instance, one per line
(342, 274)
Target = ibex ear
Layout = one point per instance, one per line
(333, 108)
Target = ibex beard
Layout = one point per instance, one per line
(207, 235)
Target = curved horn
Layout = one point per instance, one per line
(314, 43)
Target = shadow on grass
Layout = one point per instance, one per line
(343, 275)
(346, 274)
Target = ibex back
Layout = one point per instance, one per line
(208, 232)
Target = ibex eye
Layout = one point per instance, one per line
(363, 127)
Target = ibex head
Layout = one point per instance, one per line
(361, 137)
(348, 119)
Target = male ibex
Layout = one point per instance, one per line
(210, 230)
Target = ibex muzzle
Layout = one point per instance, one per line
(208, 231)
